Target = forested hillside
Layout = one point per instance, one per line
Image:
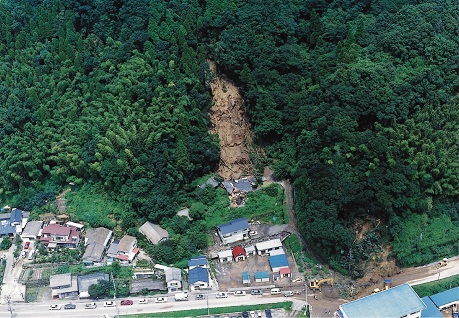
(352, 100)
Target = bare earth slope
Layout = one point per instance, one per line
(228, 119)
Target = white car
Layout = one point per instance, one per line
(54, 307)
(221, 295)
(239, 293)
(109, 303)
(143, 301)
(90, 306)
(161, 300)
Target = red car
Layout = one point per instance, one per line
(26, 246)
(126, 302)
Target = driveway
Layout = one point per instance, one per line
(11, 289)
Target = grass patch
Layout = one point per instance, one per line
(295, 248)
(436, 287)
(287, 305)
(92, 205)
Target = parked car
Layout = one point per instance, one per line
(252, 314)
(200, 297)
(109, 303)
(253, 233)
(161, 300)
(239, 293)
(54, 307)
(256, 292)
(70, 306)
(268, 313)
(26, 246)
(143, 301)
(90, 306)
(245, 314)
(127, 302)
(221, 295)
(288, 293)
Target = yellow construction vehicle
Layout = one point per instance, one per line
(387, 284)
(315, 284)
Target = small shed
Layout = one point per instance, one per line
(225, 256)
(285, 272)
(261, 277)
(239, 253)
(246, 278)
(250, 251)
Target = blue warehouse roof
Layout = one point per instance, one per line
(431, 311)
(197, 261)
(16, 216)
(445, 297)
(392, 303)
(261, 275)
(278, 260)
(198, 274)
(233, 226)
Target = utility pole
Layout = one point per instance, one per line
(8, 299)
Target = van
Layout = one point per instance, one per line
(275, 291)
(30, 256)
(288, 293)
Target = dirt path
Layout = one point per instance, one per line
(228, 119)
(60, 201)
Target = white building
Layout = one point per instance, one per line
(267, 246)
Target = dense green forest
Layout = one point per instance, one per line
(352, 100)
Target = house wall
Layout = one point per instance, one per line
(199, 286)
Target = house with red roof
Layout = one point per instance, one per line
(54, 235)
(239, 253)
(123, 250)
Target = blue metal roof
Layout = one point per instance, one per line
(233, 226)
(7, 230)
(278, 260)
(198, 274)
(16, 216)
(197, 261)
(392, 303)
(245, 276)
(445, 297)
(431, 311)
(261, 275)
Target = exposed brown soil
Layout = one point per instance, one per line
(229, 122)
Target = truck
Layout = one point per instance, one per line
(181, 296)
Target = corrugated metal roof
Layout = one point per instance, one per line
(278, 261)
(198, 274)
(234, 226)
(446, 297)
(431, 311)
(154, 232)
(197, 261)
(261, 275)
(392, 303)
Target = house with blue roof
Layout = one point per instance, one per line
(396, 302)
(261, 277)
(12, 223)
(198, 278)
(277, 262)
(431, 311)
(198, 261)
(233, 231)
(246, 278)
(446, 299)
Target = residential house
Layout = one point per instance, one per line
(173, 279)
(198, 278)
(261, 277)
(54, 235)
(127, 249)
(154, 233)
(240, 185)
(285, 272)
(233, 231)
(32, 230)
(63, 286)
(96, 241)
(239, 253)
(267, 246)
(225, 256)
(396, 302)
(138, 286)
(85, 281)
(74, 224)
(198, 261)
(12, 223)
(250, 251)
(277, 262)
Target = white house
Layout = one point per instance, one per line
(225, 256)
(267, 246)
(233, 231)
(198, 278)
(173, 279)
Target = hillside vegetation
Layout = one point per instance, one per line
(353, 100)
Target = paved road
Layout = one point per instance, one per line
(11, 289)
(42, 310)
